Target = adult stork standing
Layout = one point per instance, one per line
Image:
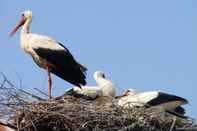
(50, 54)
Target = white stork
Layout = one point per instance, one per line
(167, 101)
(104, 88)
(49, 54)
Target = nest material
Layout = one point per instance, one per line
(75, 114)
(68, 113)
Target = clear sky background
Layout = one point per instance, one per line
(140, 44)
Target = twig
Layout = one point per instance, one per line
(41, 92)
(7, 80)
(173, 123)
(2, 84)
(19, 78)
(32, 95)
(33, 125)
(8, 125)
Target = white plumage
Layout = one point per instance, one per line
(87, 92)
(152, 98)
(50, 54)
(104, 88)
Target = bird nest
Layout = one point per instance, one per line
(68, 113)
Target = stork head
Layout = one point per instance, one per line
(26, 15)
(129, 92)
(98, 74)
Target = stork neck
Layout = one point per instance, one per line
(106, 86)
(23, 36)
(26, 26)
(100, 81)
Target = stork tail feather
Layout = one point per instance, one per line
(83, 68)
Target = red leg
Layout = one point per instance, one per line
(49, 82)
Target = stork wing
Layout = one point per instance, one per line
(162, 98)
(86, 92)
(65, 66)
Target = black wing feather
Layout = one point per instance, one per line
(66, 67)
(180, 110)
(163, 98)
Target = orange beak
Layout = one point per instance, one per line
(123, 95)
(126, 93)
(19, 24)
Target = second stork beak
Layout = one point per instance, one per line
(19, 24)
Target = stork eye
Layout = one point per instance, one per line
(23, 14)
(127, 91)
(103, 75)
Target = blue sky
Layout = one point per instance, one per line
(146, 45)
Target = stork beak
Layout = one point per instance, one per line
(125, 93)
(19, 24)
